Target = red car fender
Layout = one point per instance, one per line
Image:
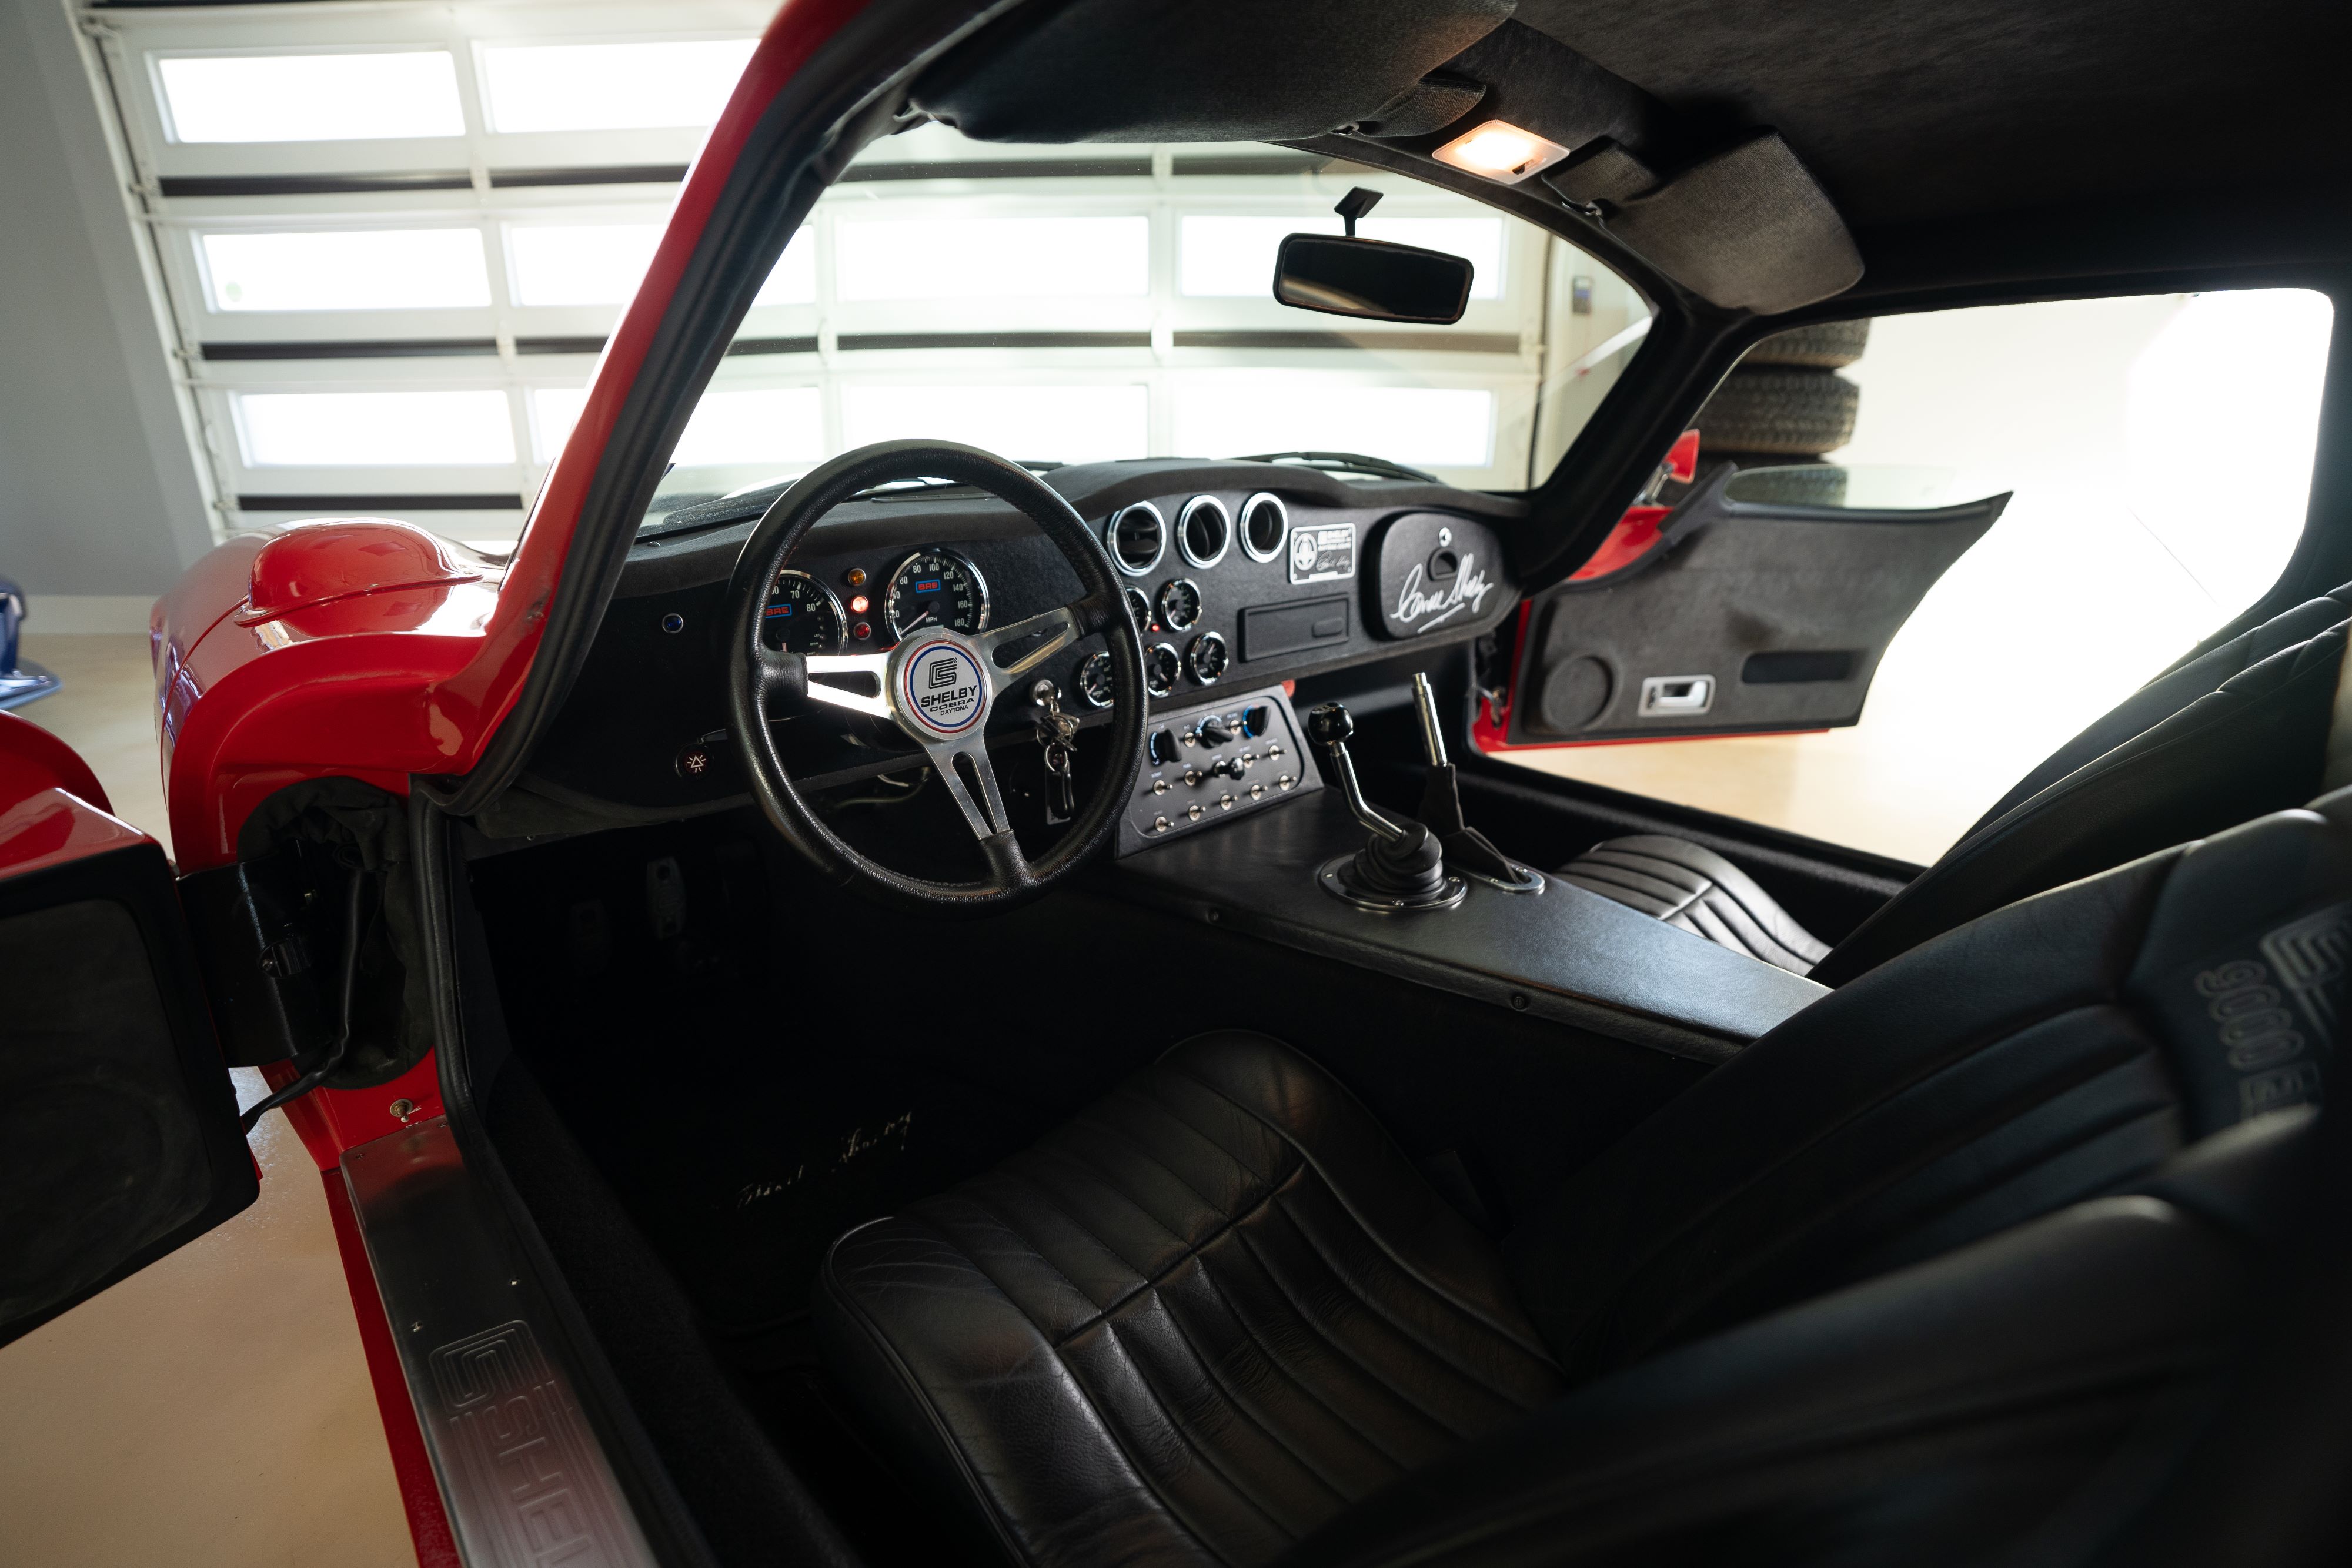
(387, 677)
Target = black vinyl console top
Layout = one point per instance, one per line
(1563, 953)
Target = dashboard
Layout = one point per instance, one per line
(1238, 575)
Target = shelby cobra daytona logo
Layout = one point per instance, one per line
(942, 686)
(1422, 610)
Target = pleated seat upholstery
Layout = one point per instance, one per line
(1192, 1324)
(1696, 889)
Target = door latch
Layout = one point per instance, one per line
(1676, 697)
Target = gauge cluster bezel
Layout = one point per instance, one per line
(833, 600)
(890, 589)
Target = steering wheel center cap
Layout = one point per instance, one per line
(939, 688)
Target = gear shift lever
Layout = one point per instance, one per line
(1466, 849)
(1402, 866)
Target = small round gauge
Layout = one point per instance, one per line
(936, 587)
(1161, 668)
(802, 615)
(1139, 609)
(1179, 603)
(1206, 658)
(1094, 683)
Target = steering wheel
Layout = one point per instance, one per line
(938, 685)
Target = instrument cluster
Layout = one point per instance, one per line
(1168, 615)
(933, 586)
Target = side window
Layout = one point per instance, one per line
(2160, 451)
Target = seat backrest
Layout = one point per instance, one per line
(1941, 1415)
(2238, 732)
(2172, 691)
(2053, 1051)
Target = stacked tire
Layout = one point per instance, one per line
(1784, 404)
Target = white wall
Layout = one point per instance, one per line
(99, 504)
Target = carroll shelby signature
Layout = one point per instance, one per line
(1467, 592)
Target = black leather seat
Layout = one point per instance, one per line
(1220, 1319)
(1691, 888)
(2238, 731)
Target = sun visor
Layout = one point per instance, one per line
(1203, 71)
(1748, 229)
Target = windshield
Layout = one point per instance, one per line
(1060, 305)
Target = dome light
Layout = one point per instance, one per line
(1500, 152)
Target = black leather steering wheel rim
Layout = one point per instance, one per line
(757, 675)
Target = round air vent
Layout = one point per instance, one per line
(1203, 529)
(1138, 537)
(1266, 526)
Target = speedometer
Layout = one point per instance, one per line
(936, 587)
(801, 616)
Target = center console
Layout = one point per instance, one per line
(1321, 870)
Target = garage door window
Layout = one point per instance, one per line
(373, 223)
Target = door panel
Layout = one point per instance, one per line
(1739, 617)
(118, 1137)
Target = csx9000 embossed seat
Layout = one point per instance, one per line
(1986, 1205)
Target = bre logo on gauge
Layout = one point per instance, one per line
(939, 685)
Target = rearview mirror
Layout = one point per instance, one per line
(1372, 279)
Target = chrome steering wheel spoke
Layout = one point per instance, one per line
(986, 815)
(797, 675)
(1060, 628)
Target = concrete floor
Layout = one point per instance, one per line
(213, 1411)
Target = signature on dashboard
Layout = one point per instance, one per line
(1423, 610)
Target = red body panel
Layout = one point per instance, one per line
(32, 760)
(52, 807)
(1628, 542)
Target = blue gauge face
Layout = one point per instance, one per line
(936, 587)
(802, 615)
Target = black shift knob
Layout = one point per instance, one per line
(1330, 724)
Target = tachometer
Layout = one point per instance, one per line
(802, 615)
(936, 587)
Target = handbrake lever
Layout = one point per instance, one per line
(1466, 849)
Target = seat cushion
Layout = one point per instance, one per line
(1189, 1327)
(1698, 891)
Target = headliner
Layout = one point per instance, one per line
(1961, 107)
(1966, 144)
